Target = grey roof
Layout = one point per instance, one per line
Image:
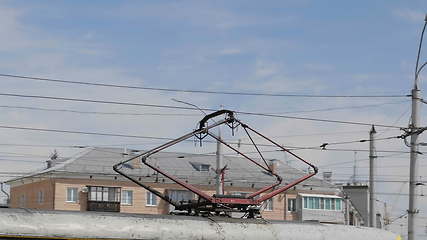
(240, 172)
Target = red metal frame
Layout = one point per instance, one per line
(223, 201)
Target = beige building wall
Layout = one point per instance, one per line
(56, 196)
(278, 209)
(291, 216)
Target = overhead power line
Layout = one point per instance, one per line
(198, 91)
(293, 148)
(96, 112)
(82, 132)
(167, 138)
(182, 114)
(191, 108)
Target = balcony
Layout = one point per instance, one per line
(103, 199)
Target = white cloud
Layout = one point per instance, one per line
(230, 51)
(410, 15)
(266, 69)
(319, 67)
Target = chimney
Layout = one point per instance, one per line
(52, 159)
(273, 164)
(327, 177)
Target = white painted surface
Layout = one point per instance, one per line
(138, 226)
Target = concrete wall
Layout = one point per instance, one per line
(359, 196)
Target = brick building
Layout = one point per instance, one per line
(87, 182)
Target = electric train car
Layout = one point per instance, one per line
(36, 224)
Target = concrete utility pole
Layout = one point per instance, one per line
(372, 168)
(413, 220)
(413, 168)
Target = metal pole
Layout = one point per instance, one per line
(347, 210)
(386, 217)
(413, 168)
(355, 169)
(372, 212)
(219, 165)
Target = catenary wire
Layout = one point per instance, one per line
(166, 138)
(190, 108)
(293, 148)
(196, 91)
(183, 114)
(96, 112)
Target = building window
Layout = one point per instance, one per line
(292, 204)
(127, 197)
(322, 203)
(316, 203)
(151, 199)
(179, 196)
(311, 202)
(103, 194)
(201, 167)
(72, 194)
(327, 203)
(40, 197)
(269, 204)
(338, 204)
(22, 200)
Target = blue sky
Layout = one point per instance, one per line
(202, 43)
(312, 47)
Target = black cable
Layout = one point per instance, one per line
(164, 138)
(344, 108)
(182, 114)
(360, 141)
(196, 91)
(189, 108)
(136, 144)
(81, 132)
(96, 112)
(419, 51)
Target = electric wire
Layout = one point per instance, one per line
(182, 114)
(96, 112)
(191, 108)
(166, 138)
(196, 91)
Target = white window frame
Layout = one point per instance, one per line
(269, 205)
(127, 199)
(40, 197)
(72, 197)
(151, 199)
(292, 203)
(324, 199)
(336, 205)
